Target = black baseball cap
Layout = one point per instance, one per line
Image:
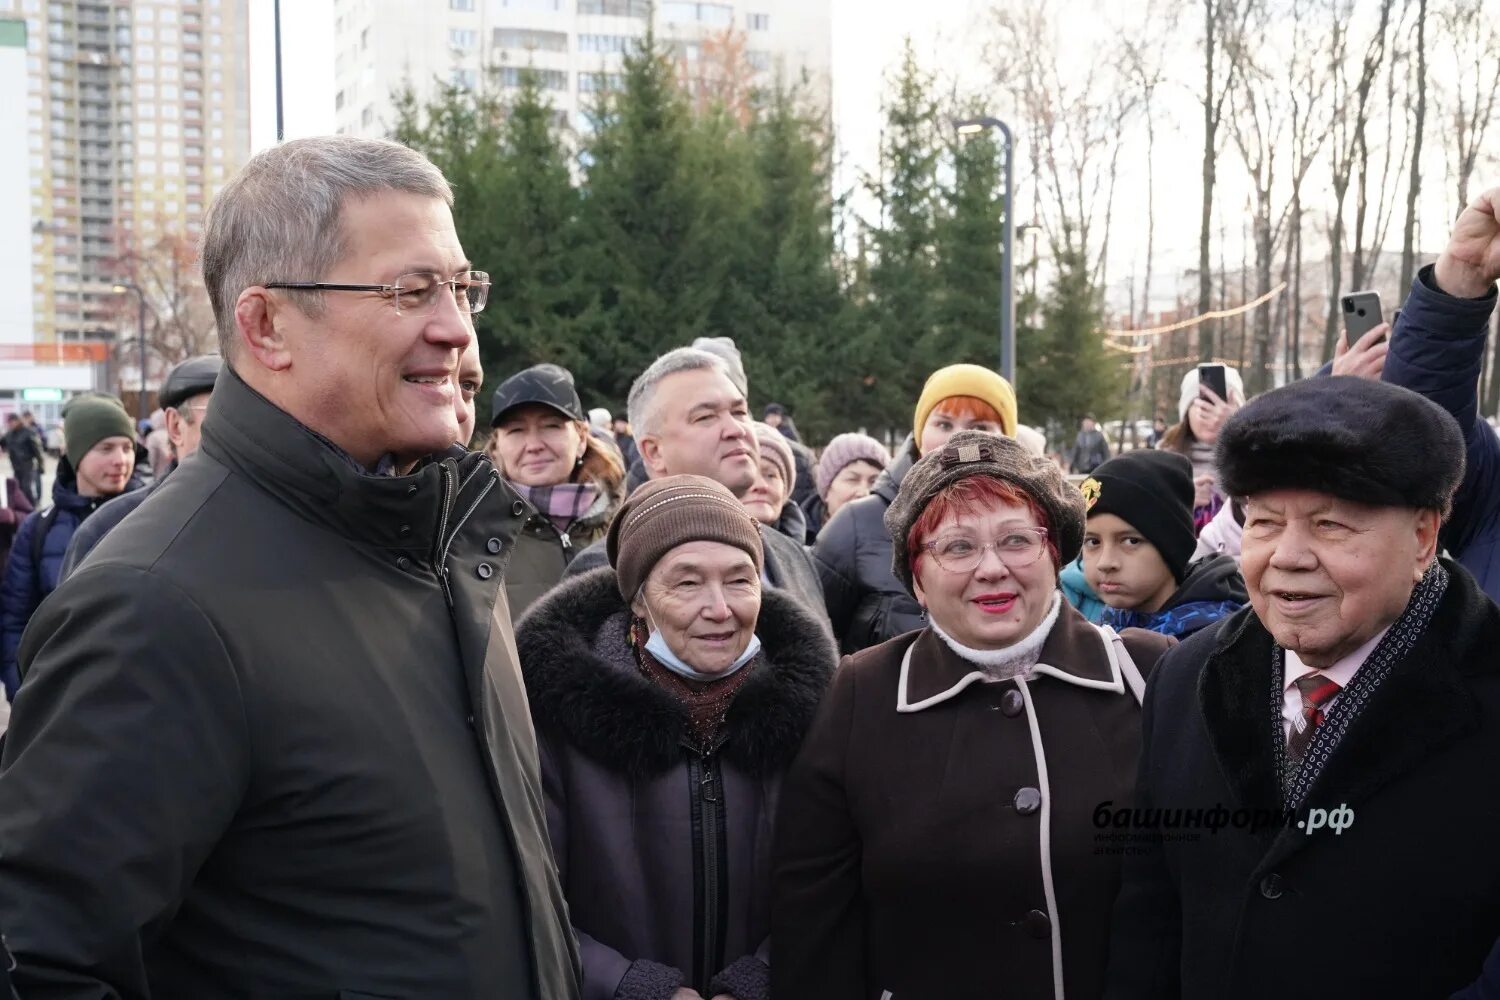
(188, 379)
(547, 385)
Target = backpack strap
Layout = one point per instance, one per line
(44, 523)
(1114, 646)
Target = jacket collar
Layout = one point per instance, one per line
(584, 685)
(1423, 706)
(246, 432)
(888, 483)
(1075, 653)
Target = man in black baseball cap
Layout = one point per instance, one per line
(184, 398)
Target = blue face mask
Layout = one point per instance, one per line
(657, 646)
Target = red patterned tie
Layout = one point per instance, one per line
(1317, 691)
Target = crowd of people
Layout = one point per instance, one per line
(671, 706)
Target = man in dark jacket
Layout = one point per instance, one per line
(25, 454)
(184, 398)
(1352, 707)
(690, 418)
(272, 740)
(1437, 350)
(99, 465)
(1090, 449)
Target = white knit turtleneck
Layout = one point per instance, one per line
(1017, 658)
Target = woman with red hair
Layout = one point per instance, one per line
(866, 603)
(937, 834)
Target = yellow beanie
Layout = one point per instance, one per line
(967, 380)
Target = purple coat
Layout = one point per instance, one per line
(664, 853)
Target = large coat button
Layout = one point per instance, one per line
(1028, 801)
(1012, 704)
(1270, 887)
(517, 509)
(1037, 924)
(493, 545)
(485, 571)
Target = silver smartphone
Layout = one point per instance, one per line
(1361, 314)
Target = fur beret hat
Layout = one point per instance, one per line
(1370, 442)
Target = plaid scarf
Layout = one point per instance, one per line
(563, 503)
(1391, 650)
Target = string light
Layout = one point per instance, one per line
(1157, 331)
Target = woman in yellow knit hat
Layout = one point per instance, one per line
(866, 602)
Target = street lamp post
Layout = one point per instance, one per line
(121, 288)
(972, 126)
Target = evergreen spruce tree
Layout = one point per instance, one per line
(1065, 370)
(968, 260)
(883, 374)
(647, 226)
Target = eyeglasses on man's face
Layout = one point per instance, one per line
(416, 293)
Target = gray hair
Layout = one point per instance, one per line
(640, 405)
(281, 217)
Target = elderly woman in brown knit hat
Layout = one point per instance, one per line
(935, 837)
(670, 692)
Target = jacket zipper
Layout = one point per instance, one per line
(708, 791)
(445, 537)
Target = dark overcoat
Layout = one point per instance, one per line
(1404, 901)
(936, 836)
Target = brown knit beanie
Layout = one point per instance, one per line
(665, 513)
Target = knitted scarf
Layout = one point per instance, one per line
(563, 503)
(1391, 650)
(707, 702)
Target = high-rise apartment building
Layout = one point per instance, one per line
(136, 112)
(576, 45)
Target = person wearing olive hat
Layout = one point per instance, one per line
(866, 602)
(99, 465)
(1354, 703)
(670, 691)
(935, 835)
(573, 481)
(184, 398)
(1139, 543)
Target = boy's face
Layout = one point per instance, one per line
(1125, 570)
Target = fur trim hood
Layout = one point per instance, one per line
(584, 685)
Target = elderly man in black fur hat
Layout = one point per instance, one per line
(1316, 802)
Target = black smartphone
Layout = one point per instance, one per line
(1361, 314)
(1213, 377)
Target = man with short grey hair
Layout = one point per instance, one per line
(691, 418)
(272, 739)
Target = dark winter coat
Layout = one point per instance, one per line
(542, 552)
(664, 853)
(792, 523)
(28, 581)
(1212, 589)
(805, 480)
(788, 567)
(275, 737)
(1401, 903)
(92, 531)
(1090, 450)
(924, 849)
(24, 449)
(1437, 350)
(815, 513)
(866, 603)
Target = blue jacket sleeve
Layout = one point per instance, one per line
(1437, 350)
(18, 599)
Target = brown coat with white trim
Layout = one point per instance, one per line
(909, 856)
